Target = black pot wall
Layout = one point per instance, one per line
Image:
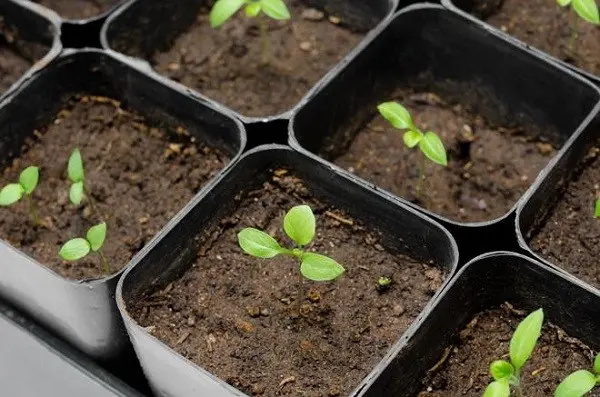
(486, 283)
(140, 27)
(32, 24)
(545, 194)
(507, 84)
(84, 313)
(35, 363)
(465, 7)
(168, 373)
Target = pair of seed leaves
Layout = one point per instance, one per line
(586, 9)
(429, 143)
(225, 9)
(78, 248)
(77, 176)
(300, 225)
(13, 192)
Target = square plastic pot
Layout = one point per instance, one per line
(84, 312)
(142, 27)
(486, 283)
(93, 20)
(35, 363)
(505, 83)
(170, 374)
(464, 8)
(32, 24)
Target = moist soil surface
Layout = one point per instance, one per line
(16, 55)
(225, 64)
(255, 324)
(79, 9)
(465, 371)
(570, 236)
(547, 26)
(489, 167)
(139, 178)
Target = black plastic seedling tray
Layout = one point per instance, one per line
(404, 230)
(84, 312)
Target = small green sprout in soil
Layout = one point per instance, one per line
(579, 383)
(78, 248)
(299, 224)
(584, 9)
(429, 142)
(384, 283)
(275, 9)
(597, 209)
(507, 374)
(13, 192)
(79, 187)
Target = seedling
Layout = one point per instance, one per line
(430, 144)
(299, 224)
(508, 374)
(597, 209)
(579, 382)
(77, 176)
(78, 248)
(384, 283)
(13, 192)
(275, 9)
(584, 9)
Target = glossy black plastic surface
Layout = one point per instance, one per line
(432, 48)
(486, 283)
(84, 312)
(406, 231)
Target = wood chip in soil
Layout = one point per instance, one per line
(254, 324)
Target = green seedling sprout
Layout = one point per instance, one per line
(13, 192)
(429, 142)
(597, 208)
(384, 283)
(508, 374)
(579, 383)
(299, 224)
(79, 187)
(584, 9)
(78, 248)
(275, 9)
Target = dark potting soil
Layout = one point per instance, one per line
(79, 9)
(139, 176)
(570, 236)
(225, 64)
(244, 320)
(547, 26)
(489, 167)
(465, 369)
(16, 55)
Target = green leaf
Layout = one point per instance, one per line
(396, 114)
(10, 194)
(412, 138)
(74, 249)
(597, 364)
(318, 267)
(497, 389)
(275, 9)
(223, 10)
(525, 337)
(597, 210)
(96, 235)
(588, 10)
(431, 145)
(563, 3)
(29, 179)
(576, 385)
(501, 369)
(76, 193)
(299, 224)
(258, 243)
(75, 167)
(253, 9)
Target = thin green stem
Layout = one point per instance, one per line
(574, 33)
(104, 261)
(422, 165)
(264, 42)
(33, 216)
(92, 202)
